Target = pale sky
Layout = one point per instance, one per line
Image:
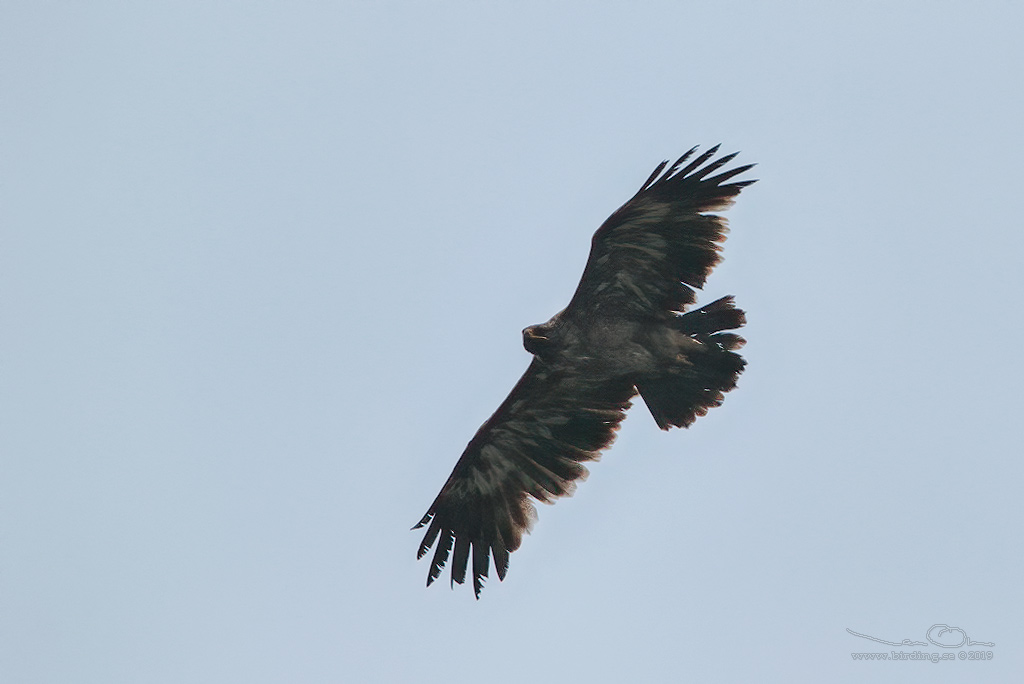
(263, 272)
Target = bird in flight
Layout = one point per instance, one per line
(626, 331)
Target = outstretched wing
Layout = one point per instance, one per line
(649, 254)
(533, 446)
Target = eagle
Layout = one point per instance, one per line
(627, 330)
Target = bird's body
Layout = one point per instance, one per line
(624, 332)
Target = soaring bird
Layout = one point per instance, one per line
(626, 330)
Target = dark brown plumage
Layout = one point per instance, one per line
(623, 332)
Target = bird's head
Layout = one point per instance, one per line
(536, 339)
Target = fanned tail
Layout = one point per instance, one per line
(705, 372)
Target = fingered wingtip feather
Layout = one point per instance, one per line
(696, 163)
(688, 153)
(654, 175)
(726, 175)
(423, 521)
(460, 559)
(444, 547)
(428, 538)
(481, 561)
(675, 166)
(500, 554)
(713, 166)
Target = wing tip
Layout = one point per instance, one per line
(696, 172)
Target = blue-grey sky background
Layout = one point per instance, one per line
(263, 271)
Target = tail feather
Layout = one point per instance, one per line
(704, 373)
(719, 315)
